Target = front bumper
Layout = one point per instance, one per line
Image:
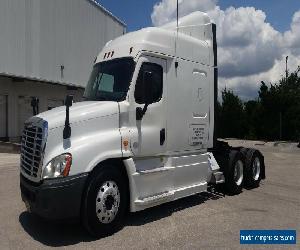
(54, 198)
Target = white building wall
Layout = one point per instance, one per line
(37, 37)
(18, 93)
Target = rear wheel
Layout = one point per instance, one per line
(254, 168)
(234, 174)
(105, 202)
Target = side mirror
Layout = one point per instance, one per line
(148, 86)
(147, 93)
(69, 100)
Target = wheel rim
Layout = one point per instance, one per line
(107, 202)
(256, 169)
(238, 172)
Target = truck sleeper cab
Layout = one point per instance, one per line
(144, 134)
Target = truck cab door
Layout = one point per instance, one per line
(148, 134)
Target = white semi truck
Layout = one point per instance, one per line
(144, 134)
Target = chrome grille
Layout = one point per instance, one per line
(32, 150)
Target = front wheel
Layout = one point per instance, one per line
(105, 202)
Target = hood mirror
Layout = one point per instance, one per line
(69, 100)
(67, 128)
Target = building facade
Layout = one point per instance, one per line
(47, 49)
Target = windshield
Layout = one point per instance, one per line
(110, 80)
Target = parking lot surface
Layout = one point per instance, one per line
(209, 220)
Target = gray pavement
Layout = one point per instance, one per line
(207, 221)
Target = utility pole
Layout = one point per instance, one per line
(286, 67)
(177, 13)
(280, 113)
(280, 126)
(176, 40)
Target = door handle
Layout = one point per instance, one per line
(162, 136)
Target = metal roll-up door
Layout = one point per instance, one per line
(25, 111)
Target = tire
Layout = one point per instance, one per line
(105, 202)
(234, 174)
(253, 168)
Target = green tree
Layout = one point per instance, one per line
(274, 115)
(231, 117)
(252, 110)
(280, 109)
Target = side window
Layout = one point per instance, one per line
(157, 87)
(107, 83)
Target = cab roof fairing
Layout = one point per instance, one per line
(194, 32)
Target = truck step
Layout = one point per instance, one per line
(163, 197)
(219, 177)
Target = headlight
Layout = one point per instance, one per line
(58, 166)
